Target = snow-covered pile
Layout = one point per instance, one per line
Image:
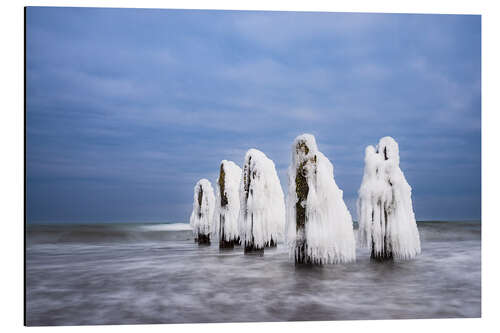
(324, 233)
(227, 206)
(262, 208)
(203, 208)
(386, 219)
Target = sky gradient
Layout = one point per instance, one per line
(127, 108)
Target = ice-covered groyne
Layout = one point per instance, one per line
(319, 227)
(262, 205)
(385, 212)
(227, 205)
(203, 211)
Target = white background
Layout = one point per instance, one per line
(12, 164)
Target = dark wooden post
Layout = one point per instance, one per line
(248, 175)
(386, 253)
(223, 242)
(203, 239)
(302, 191)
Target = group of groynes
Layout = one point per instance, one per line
(248, 207)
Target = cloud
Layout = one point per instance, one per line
(148, 108)
(280, 29)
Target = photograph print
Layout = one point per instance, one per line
(217, 166)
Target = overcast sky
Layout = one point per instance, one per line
(128, 108)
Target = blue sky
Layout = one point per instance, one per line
(128, 108)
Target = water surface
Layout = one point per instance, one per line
(144, 274)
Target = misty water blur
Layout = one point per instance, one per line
(155, 273)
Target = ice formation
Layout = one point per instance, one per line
(319, 227)
(227, 206)
(203, 211)
(386, 219)
(262, 205)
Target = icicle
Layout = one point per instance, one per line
(262, 208)
(319, 226)
(386, 220)
(227, 207)
(203, 210)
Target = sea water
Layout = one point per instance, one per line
(156, 273)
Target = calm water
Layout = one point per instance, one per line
(130, 274)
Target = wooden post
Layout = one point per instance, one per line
(302, 191)
(223, 242)
(248, 175)
(203, 239)
(386, 253)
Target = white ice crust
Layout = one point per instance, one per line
(262, 215)
(230, 212)
(385, 205)
(328, 228)
(202, 215)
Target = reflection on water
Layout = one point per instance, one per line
(124, 274)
